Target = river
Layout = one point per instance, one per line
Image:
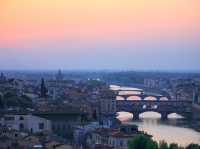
(174, 130)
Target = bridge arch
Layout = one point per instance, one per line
(120, 98)
(183, 108)
(164, 99)
(150, 114)
(175, 115)
(150, 98)
(145, 114)
(134, 98)
(124, 116)
(157, 115)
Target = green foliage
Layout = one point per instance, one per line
(173, 146)
(11, 99)
(142, 142)
(193, 146)
(145, 142)
(151, 144)
(163, 145)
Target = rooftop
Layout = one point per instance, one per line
(106, 132)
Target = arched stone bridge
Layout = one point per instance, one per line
(143, 96)
(183, 108)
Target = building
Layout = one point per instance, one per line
(151, 83)
(57, 145)
(196, 96)
(25, 122)
(2, 78)
(107, 102)
(99, 146)
(81, 131)
(9, 138)
(107, 108)
(116, 138)
(63, 119)
(59, 76)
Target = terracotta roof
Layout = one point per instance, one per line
(123, 135)
(100, 146)
(106, 132)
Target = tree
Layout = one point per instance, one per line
(11, 99)
(151, 144)
(142, 142)
(193, 146)
(173, 146)
(25, 102)
(145, 142)
(163, 145)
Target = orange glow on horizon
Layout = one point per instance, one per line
(23, 21)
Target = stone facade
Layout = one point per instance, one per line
(22, 122)
(116, 138)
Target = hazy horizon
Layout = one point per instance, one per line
(100, 35)
(100, 70)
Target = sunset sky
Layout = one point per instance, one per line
(100, 34)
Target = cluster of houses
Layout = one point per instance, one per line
(25, 122)
(66, 123)
(30, 131)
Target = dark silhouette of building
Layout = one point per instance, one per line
(59, 76)
(43, 89)
(2, 78)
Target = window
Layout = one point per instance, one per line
(41, 126)
(21, 126)
(9, 118)
(121, 143)
(21, 118)
(63, 127)
(113, 143)
(53, 127)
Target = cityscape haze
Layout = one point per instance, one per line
(99, 74)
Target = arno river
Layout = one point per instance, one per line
(173, 130)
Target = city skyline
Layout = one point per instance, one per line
(98, 35)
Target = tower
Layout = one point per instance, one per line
(196, 98)
(43, 89)
(2, 78)
(59, 76)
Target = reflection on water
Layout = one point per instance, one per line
(173, 130)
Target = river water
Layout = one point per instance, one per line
(174, 130)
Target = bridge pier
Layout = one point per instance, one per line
(164, 116)
(136, 116)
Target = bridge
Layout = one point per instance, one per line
(165, 108)
(142, 96)
(125, 94)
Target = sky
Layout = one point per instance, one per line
(100, 34)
